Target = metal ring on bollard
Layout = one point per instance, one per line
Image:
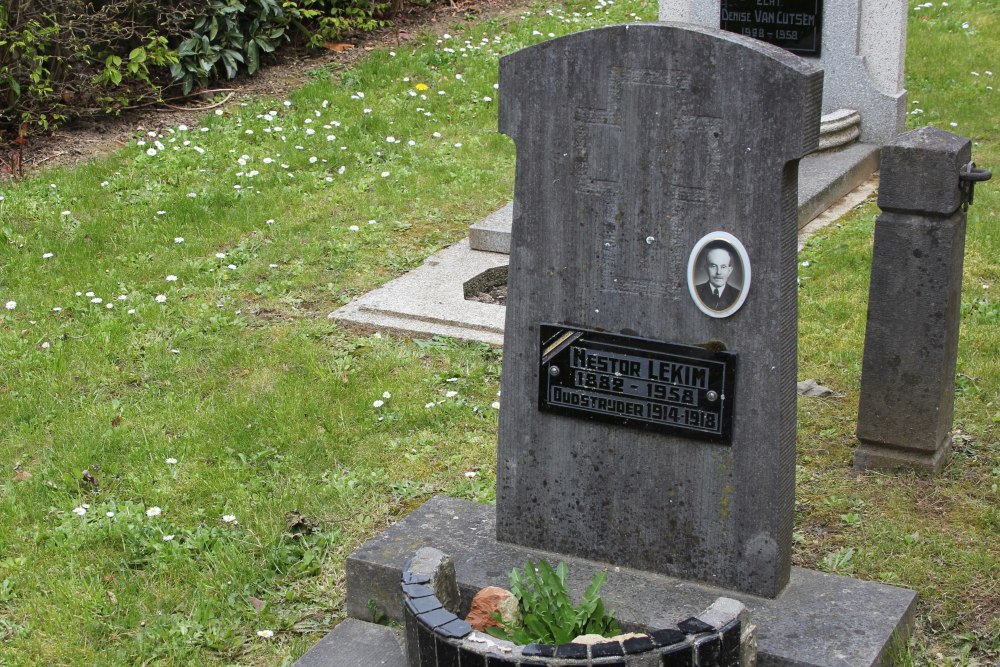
(968, 176)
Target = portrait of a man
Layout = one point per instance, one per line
(718, 260)
(719, 274)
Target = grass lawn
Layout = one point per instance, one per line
(166, 332)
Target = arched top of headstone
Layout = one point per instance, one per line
(725, 76)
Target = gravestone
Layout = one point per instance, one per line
(648, 423)
(623, 166)
(861, 47)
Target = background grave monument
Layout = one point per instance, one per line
(639, 434)
(861, 47)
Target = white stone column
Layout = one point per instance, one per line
(863, 56)
(883, 42)
(700, 12)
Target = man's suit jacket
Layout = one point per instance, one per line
(728, 297)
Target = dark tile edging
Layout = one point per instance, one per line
(436, 637)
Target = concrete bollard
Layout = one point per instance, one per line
(911, 341)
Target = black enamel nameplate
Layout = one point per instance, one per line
(637, 382)
(794, 25)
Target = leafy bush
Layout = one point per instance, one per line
(61, 59)
(321, 21)
(67, 58)
(548, 614)
(229, 34)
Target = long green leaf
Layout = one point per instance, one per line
(548, 612)
(253, 56)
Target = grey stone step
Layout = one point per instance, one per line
(492, 233)
(356, 643)
(819, 620)
(826, 177)
(823, 179)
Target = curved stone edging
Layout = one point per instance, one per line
(839, 128)
(436, 637)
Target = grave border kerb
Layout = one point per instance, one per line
(435, 636)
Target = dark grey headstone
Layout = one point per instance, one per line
(914, 305)
(633, 142)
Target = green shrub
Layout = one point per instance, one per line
(322, 21)
(234, 34)
(81, 57)
(72, 58)
(228, 35)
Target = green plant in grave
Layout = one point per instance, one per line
(547, 613)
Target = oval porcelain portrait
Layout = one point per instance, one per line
(719, 274)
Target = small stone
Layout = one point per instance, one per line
(440, 567)
(722, 612)
(489, 600)
(813, 389)
(490, 643)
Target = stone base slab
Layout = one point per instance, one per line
(827, 176)
(819, 620)
(355, 643)
(873, 456)
(492, 233)
(430, 300)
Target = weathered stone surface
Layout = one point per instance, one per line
(700, 12)
(492, 233)
(430, 301)
(838, 120)
(823, 179)
(441, 569)
(813, 389)
(818, 620)
(355, 643)
(839, 138)
(878, 456)
(623, 165)
(723, 611)
(488, 601)
(826, 177)
(907, 402)
(864, 54)
(907, 399)
(590, 640)
(920, 172)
